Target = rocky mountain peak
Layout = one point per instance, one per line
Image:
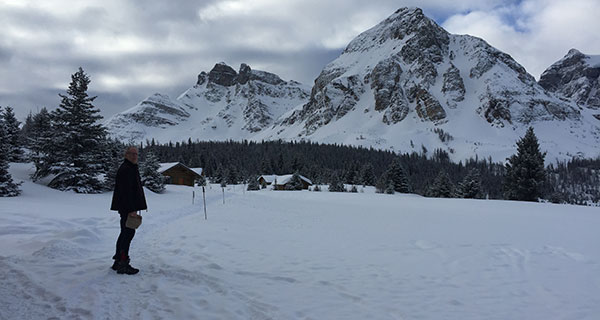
(404, 22)
(222, 74)
(576, 76)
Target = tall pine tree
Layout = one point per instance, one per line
(39, 142)
(149, 174)
(13, 135)
(367, 175)
(470, 187)
(74, 153)
(442, 186)
(295, 182)
(398, 177)
(525, 172)
(8, 188)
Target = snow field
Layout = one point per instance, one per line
(297, 255)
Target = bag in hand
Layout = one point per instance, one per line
(133, 222)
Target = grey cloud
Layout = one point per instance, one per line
(291, 38)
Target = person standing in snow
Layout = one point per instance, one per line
(128, 198)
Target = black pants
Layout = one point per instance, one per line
(124, 239)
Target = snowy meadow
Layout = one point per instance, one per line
(297, 255)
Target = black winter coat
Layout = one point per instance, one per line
(128, 195)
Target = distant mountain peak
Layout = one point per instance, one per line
(576, 76)
(405, 84)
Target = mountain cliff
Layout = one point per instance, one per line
(406, 84)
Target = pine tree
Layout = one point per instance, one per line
(295, 182)
(367, 175)
(13, 135)
(39, 142)
(397, 175)
(525, 172)
(253, 184)
(74, 152)
(470, 187)
(8, 188)
(26, 130)
(442, 186)
(113, 157)
(336, 184)
(151, 178)
(232, 176)
(382, 183)
(390, 187)
(353, 189)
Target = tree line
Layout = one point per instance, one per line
(71, 148)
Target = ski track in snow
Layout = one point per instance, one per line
(302, 255)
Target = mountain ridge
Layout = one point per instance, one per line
(405, 84)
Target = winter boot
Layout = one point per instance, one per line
(124, 267)
(115, 265)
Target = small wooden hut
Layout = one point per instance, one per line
(180, 174)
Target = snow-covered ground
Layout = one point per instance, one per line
(298, 255)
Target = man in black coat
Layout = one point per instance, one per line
(128, 198)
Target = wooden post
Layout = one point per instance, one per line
(223, 194)
(193, 196)
(204, 196)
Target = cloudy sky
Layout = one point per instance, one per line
(133, 48)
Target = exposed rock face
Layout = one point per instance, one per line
(398, 85)
(428, 108)
(156, 111)
(576, 77)
(453, 86)
(222, 74)
(410, 65)
(246, 102)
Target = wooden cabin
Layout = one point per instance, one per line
(282, 182)
(180, 174)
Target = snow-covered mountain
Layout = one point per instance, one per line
(406, 84)
(223, 104)
(577, 77)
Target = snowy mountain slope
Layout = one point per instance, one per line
(407, 83)
(297, 255)
(576, 76)
(223, 104)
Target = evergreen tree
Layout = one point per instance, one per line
(253, 184)
(13, 135)
(353, 189)
(219, 175)
(367, 175)
(8, 188)
(382, 183)
(26, 130)
(74, 153)
(151, 178)
(295, 182)
(39, 142)
(397, 175)
(442, 186)
(470, 187)
(390, 187)
(525, 173)
(336, 184)
(232, 176)
(113, 157)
